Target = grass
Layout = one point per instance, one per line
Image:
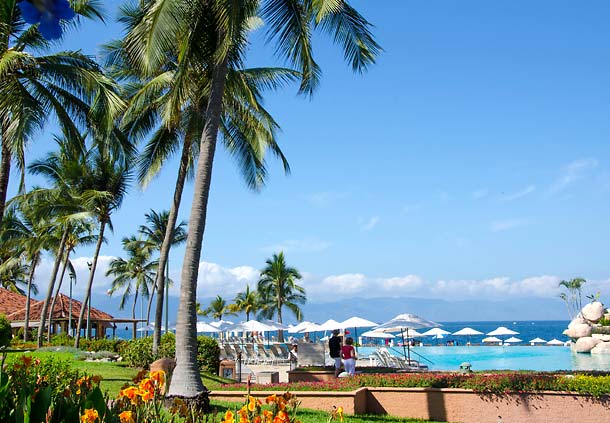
(305, 415)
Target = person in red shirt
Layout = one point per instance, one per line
(348, 354)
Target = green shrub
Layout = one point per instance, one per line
(138, 352)
(5, 331)
(167, 346)
(102, 344)
(208, 354)
(62, 340)
(604, 322)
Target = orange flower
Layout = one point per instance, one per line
(27, 360)
(268, 416)
(131, 393)
(243, 412)
(229, 417)
(252, 404)
(147, 385)
(126, 417)
(282, 417)
(271, 398)
(158, 377)
(146, 395)
(89, 416)
(96, 379)
(257, 419)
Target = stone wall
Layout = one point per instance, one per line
(451, 405)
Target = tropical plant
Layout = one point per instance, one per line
(278, 288)
(247, 301)
(176, 97)
(68, 85)
(573, 297)
(154, 232)
(107, 179)
(218, 307)
(213, 35)
(136, 270)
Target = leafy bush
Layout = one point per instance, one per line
(167, 346)
(138, 352)
(5, 331)
(102, 344)
(604, 322)
(208, 354)
(62, 339)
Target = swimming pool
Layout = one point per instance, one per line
(541, 358)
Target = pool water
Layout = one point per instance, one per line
(540, 358)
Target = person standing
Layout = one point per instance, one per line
(348, 354)
(334, 347)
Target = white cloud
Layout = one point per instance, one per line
(401, 284)
(350, 283)
(520, 194)
(215, 279)
(573, 172)
(498, 287)
(505, 225)
(371, 223)
(301, 245)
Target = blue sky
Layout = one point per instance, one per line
(471, 162)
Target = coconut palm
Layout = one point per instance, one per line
(67, 85)
(81, 233)
(134, 275)
(218, 308)
(14, 269)
(573, 296)
(213, 34)
(154, 233)
(107, 179)
(175, 99)
(278, 288)
(247, 301)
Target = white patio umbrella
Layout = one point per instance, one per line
(537, 341)
(513, 340)
(437, 333)
(468, 332)
(252, 326)
(491, 339)
(502, 331)
(402, 323)
(377, 334)
(203, 327)
(309, 327)
(222, 325)
(147, 328)
(555, 342)
(275, 325)
(297, 328)
(357, 322)
(330, 324)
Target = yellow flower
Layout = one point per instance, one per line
(252, 404)
(229, 417)
(340, 413)
(89, 416)
(268, 416)
(158, 377)
(126, 417)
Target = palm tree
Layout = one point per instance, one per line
(176, 97)
(154, 233)
(33, 87)
(218, 307)
(247, 301)
(107, 179)
(213, 35)
(573, 298)
(80, 233)
(277, 286)
(138, 269)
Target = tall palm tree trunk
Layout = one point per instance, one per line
(167, 242)
(5, 173)
(148, 307)
(133, 315)
(45, 306)
(61, 279)
(280, 334)
(186, 380)
(28, 299)
(81, 316)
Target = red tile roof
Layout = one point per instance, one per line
(11, 302)
(60, 311)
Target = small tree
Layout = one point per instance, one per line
(573, 297)
(5, 331)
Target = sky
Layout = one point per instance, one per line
(470, 162)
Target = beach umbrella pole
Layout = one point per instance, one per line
(408, 348)
(404, 351)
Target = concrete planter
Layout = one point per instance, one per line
(451, 405)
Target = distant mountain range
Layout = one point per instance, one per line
(381, 309)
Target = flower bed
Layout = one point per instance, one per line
(497, 383)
